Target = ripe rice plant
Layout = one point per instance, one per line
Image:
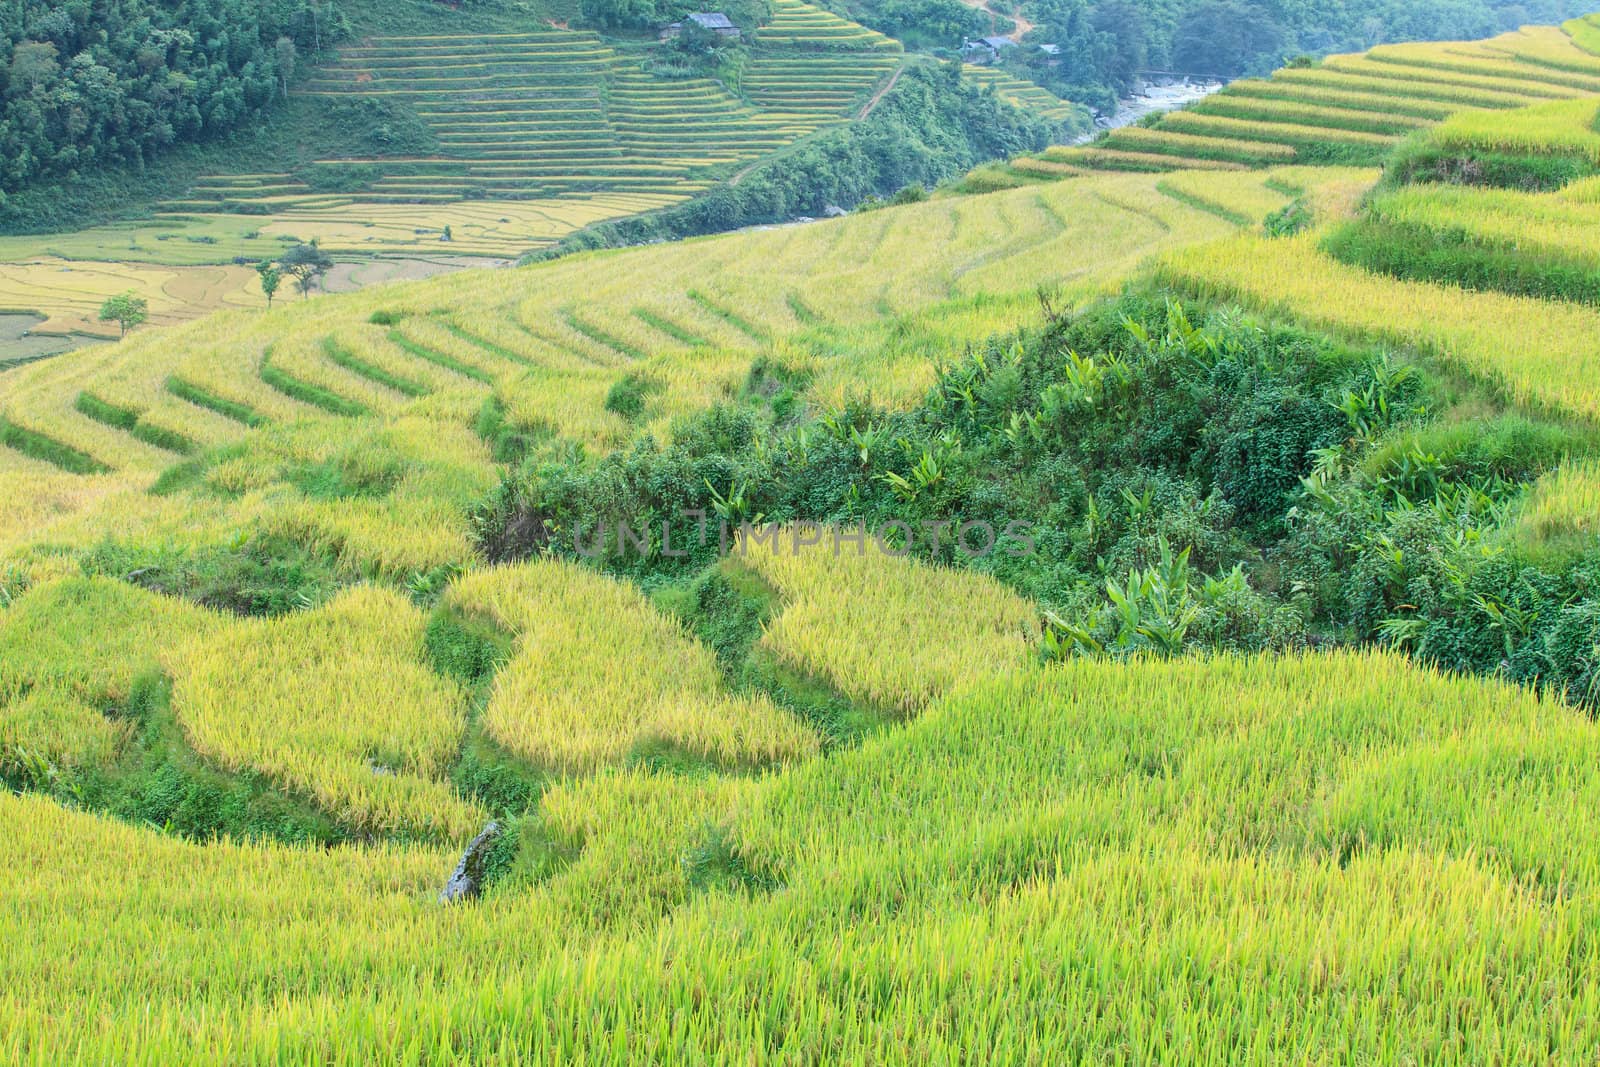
(1118, 160)
(1280, 130)
(1483, 59)
(1386, 81)
(1269, 110)
(1246, 92)
(1562, 128)
(1358, 834)
(1484, 334)
(1546, 46)
(1562, 513)
(1226, 196)
(50, 732)
(90, 638)
(567, 702)
(335, 704)
(882, 628)
(1187, 146)
(1537, 83)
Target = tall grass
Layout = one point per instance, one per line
(884, 629)
(599, 676)
(335, 704)
(1092, 862)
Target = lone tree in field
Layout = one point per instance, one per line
(126, 310)
(271, 278)
(307, 264)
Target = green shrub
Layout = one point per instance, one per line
(628, 395)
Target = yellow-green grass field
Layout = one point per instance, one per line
(1124, 851)
(1334, 857)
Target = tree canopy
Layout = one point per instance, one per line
(89, 82)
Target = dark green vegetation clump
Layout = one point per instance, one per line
(1422, 160)
(1190, 478)
(261, 576)
(931, 127)
(159, 781)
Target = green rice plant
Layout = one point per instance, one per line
(1585, 33)
(1529, 244)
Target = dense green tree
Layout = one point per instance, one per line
(1225, 37)
(89, 82)
(271, 278)
(126, 310)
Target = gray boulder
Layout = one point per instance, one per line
(467, 881)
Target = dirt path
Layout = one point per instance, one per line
(1022, 27)
(877, 97)
(866, 109)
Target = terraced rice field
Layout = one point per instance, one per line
(333, 954)
(1301, 858)
(549, 342)
(804, 83)
(799, 25)
(538, 134)
(1024, 94)
(559, 113)
(1354, 109)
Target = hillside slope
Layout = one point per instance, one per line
(1266, 737)
(483, 133)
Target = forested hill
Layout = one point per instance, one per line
(85, 83)
(90, 82)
